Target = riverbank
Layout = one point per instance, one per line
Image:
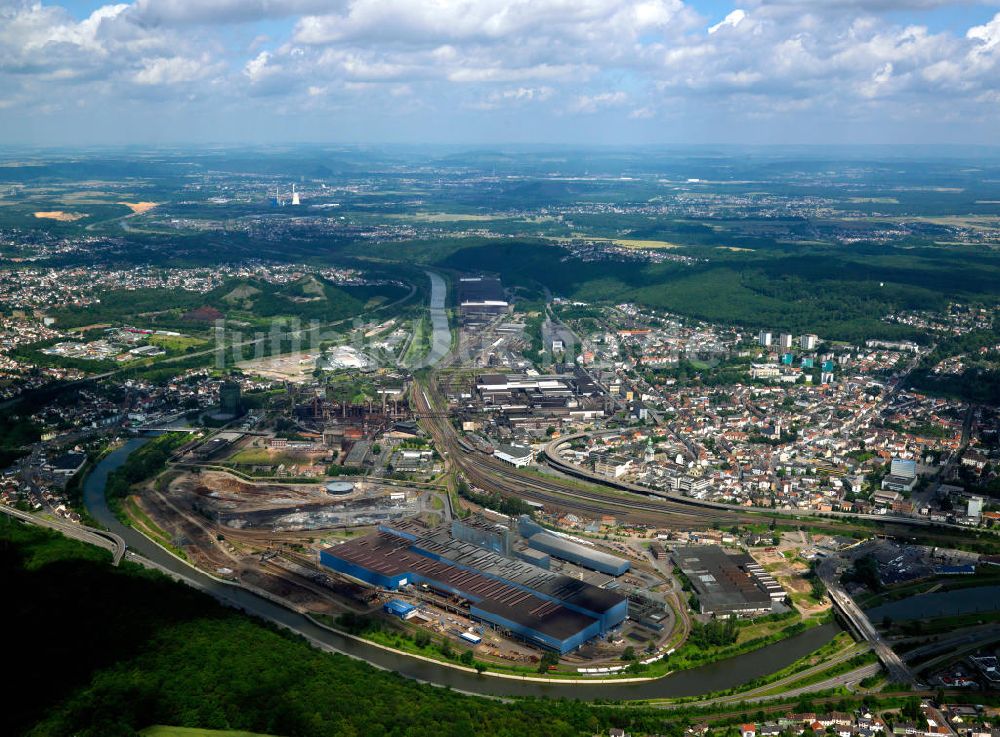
(713, 677)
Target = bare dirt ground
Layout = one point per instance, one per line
(139, 207)
(294, 367)
(244, 556)
(790, 571)
(218, 491)
(60, 215)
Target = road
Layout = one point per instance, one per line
(858, 621)
(761, 693)
(970, 414)
(640, 505)
(101, 538)
(490, 474)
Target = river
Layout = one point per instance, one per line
(714, 677)
(440, 332)
(940, 604)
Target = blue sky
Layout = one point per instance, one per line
(465, 71)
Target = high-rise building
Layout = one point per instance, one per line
(903, 467)
(975, 507)
(808, 342)
(479, 531)
(230, 401)
(785, 341)
(764, 338)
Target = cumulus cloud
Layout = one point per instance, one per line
(513, 97)
(987, 35)
(593, 103)
(732, 20)
(193, 12)
(453, 20)
(173, 70)
(256, 68)
(635, 59)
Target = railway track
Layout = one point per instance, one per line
(492, 475)
(632, 506)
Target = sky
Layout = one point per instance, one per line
(500, 71)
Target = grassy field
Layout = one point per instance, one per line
(176, 343)
(764, 629)
(624, 242)
(265, 457)
(420, 344)
(446, 217)
(160, 730)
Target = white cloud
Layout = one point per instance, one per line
(452, 20)
(732, 20)
(173, 70)
(600, 101)
(193, 12)
(513, 97)
(767, 58)
(256, 68)
(988, 35)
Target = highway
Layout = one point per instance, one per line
(762, 693)
(101, 538)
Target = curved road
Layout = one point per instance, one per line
(706, 679)
(554, 460)
(101, 538)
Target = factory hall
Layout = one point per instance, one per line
(545, 609)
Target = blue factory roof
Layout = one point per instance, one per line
(508, 592)
(955, 570)
(399, 608)
(391, 556)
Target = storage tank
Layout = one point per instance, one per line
(339, 488)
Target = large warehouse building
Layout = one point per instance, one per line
(546, 609)
(480, 298)
(563, 548)
(725, 583)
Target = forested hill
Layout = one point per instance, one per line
(841, 294)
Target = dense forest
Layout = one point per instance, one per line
(979, 382)
(837, 294)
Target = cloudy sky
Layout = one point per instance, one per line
(495, 71)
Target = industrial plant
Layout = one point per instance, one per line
(442, 568)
